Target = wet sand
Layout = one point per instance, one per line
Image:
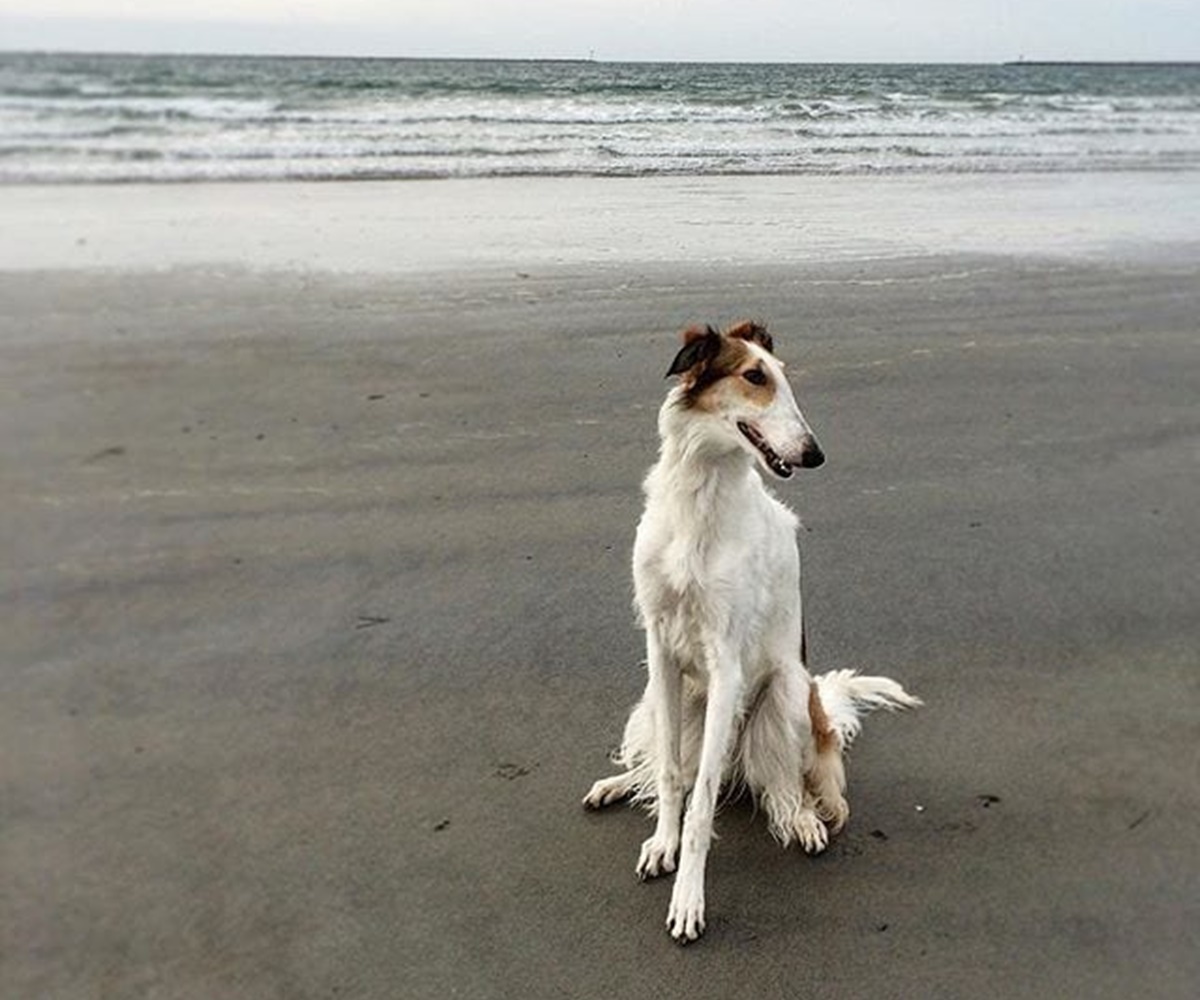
(316, 617)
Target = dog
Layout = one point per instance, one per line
(729, 702)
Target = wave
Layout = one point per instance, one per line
(184, 118)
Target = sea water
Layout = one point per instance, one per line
(77, 118)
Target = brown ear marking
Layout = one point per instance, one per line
(749, 330)
(695, 332)
(700, 345)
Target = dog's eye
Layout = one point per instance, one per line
(755, 376)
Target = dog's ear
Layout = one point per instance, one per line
(700, 344)
(749, 330)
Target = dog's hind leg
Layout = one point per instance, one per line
(606, 791)
(773, 745)
(826, 779)
(635, 756)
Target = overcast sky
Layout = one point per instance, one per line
(756, 30)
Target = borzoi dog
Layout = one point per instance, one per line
(729, 701)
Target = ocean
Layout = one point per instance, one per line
(112, 118)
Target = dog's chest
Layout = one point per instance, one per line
(682, 619)
(696, 579)
(687, 590)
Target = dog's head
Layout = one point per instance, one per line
(734, 379)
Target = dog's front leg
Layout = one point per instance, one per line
(685, 917)
(665, 690)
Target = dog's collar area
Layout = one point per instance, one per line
(776, 464)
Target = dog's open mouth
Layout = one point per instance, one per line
(776, 464)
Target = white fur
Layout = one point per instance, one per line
(717, 581)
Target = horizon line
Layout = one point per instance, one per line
(591, 59)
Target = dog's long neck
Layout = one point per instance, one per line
(700, 476)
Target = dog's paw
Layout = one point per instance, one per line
(606, 791)
(834, 813)
(657, 857)
(685, 916)
(810, 831)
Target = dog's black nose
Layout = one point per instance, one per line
(811, 454)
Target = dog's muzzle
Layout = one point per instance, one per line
(807, 456)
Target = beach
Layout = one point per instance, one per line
(317, 509)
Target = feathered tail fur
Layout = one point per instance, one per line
(847, 696)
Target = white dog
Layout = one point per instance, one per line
(729, 700)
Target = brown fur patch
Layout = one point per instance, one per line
(732, 358)
(728, 359)
(695, 333)
(700, 346)
(823, 731)
(749, 330)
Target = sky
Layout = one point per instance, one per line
(720, 30)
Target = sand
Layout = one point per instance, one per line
(316, 617)
(486, 227)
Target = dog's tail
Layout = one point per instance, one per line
(847, 696)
